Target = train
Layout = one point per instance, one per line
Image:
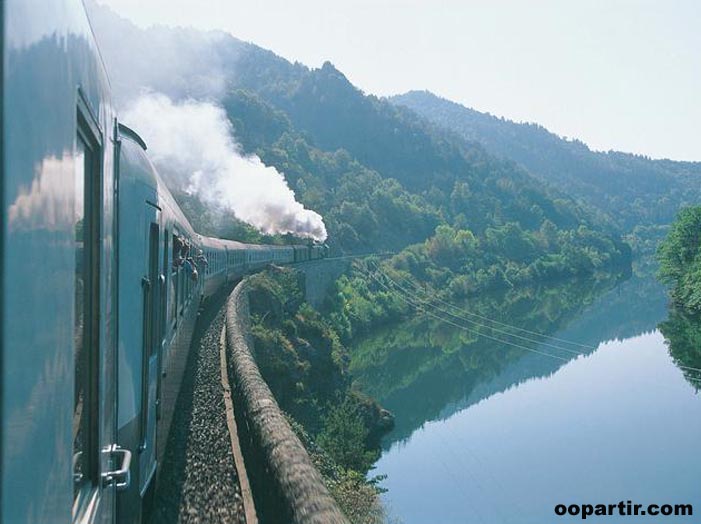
(102, 278)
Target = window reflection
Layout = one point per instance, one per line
(82, 393)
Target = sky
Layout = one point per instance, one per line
(616, 74)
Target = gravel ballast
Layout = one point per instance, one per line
(198, 480)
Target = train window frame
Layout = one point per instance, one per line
(89, 137)
(175, 279)
(149, 324)
(166, 281)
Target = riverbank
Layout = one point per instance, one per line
(487, 432)
(304, 363)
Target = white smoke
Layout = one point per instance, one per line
(193, 143)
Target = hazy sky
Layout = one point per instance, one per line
(618, 74)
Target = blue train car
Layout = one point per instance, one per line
(102, 279)
(60, 456)
(216, 269)
(235, 260)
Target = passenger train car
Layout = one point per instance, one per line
(101, 275)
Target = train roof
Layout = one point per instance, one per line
(134, 148)
(143, 171)
(233, 245)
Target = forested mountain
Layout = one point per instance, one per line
(460, 219)
(632, 190)
(382, 177)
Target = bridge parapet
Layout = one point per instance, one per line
(286, 485)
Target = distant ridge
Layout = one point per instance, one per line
(382, 177)
(633, 190)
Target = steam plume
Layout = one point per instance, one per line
(192, 142)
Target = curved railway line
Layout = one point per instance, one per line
(202, 479)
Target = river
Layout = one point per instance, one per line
(501, 432)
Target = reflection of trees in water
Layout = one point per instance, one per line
(634, 307)
(424, 369)
(682, 333)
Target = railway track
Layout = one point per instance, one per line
(199, 480)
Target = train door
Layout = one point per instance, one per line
(99, 465)
(163, 317)
(152, 290)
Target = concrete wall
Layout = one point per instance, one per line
(287, 487)
(319, 276)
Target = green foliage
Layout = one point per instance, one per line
(303, 361)
(451, 247)
(257, 122)
(357, 496)
(344, 436)
(382, 176)
(383, 179)
(623, 189)
(299, 356)
(682, 332)
(422, 367)
(455, 264)
(305, 365)
(680, 258)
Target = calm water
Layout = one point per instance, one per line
(488, 433)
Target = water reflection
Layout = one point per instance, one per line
(682, 333)
(489, 433)
(426, 369)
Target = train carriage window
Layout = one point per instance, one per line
(174, 280)
(181, 300)
(86, 226)
(186, 282)
(150, 323)
(164, 289)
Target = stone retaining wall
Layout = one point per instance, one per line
(286, 486)
(319, 276)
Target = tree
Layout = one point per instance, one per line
(681, 246)
(344, 435)
(680, 258)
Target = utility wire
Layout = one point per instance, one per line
(495, 329)
(416, 286)
(459, 326)
(487, 319)
(418, 303)
(689, 368)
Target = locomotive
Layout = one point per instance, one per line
(102, 278)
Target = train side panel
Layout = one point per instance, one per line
(236, 259)
(182, 301)
(139, 224)
(159, 294)
(58, 398)
(214, 271)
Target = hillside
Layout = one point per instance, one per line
(381, 176)
(631, 190)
